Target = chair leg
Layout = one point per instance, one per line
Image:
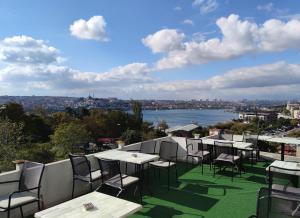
(187, 162)
(214, 170)
(91, 186)
(73, 187)
(8, 213)
(202, 164)
(232, 172)
(21, 211)
(119, 192)
(140, 192)
(168, 178)
(39, 204)
(176, 172)
(159, 173)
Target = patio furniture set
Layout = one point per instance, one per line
(221, 152)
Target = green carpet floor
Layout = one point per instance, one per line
(197, 195)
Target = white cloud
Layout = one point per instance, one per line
(267, 7)
(188, 22)
(239, 37)
(177, 8)
(26, 50)
(164, 40)
(93, 29)
(30, 64)
(275, 80)
(206, 6)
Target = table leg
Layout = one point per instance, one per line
(282, 151)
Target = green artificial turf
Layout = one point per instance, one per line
(197, 195)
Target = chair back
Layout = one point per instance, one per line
(80, 166)
(276, 203)
(262, 203)
(110, 169)
(168, 151)
(148, 147)
(31, 176)
(224, 148)
(193, 145)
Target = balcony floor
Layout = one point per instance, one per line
(197, 195)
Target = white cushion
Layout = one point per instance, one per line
(227, 158)
(199, 153)
(96, 175)
(126, 180)
(17, 199)
(162, 163)
(286, 188)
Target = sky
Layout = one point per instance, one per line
(142, 49)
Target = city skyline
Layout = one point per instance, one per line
(151, 50)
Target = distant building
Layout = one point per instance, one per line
(248, 116)
(294, 110)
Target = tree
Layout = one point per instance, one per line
(36, 130)
(12, 111)
(131, 136)
(68, 137)
(162, 125)
(10, 139)
(60, 118)
(137, 117)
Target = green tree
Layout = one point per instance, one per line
(10, 139)
(137, 117)
(12, 111)
(162, 125)
(68, 137)
(39, 152)
(60, 118)
(131, 136)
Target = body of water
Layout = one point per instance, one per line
(186, 116)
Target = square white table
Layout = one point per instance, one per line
(106, 206)
(126, 156)
(238, 145)
(286, 167)
(282, 141)
(129, 157)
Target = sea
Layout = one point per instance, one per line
(203, 117)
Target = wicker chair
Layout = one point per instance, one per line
(226, 155)
(195, 149)
(113, 177)
(28, 192)
(82, 171)
(167, 157)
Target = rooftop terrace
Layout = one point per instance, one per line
(193, 195)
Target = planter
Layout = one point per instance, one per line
(196, 136)
(19, 164)
(121, 144)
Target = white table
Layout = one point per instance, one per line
(126, 156)
(106, 206)
(292, 168)
(238, 145)
(264, 137)
(283, 141)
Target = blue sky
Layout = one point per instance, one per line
(151, 49)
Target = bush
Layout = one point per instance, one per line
(68, 137)
(131, 136)
(38, 152)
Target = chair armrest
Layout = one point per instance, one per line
(11, 181)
